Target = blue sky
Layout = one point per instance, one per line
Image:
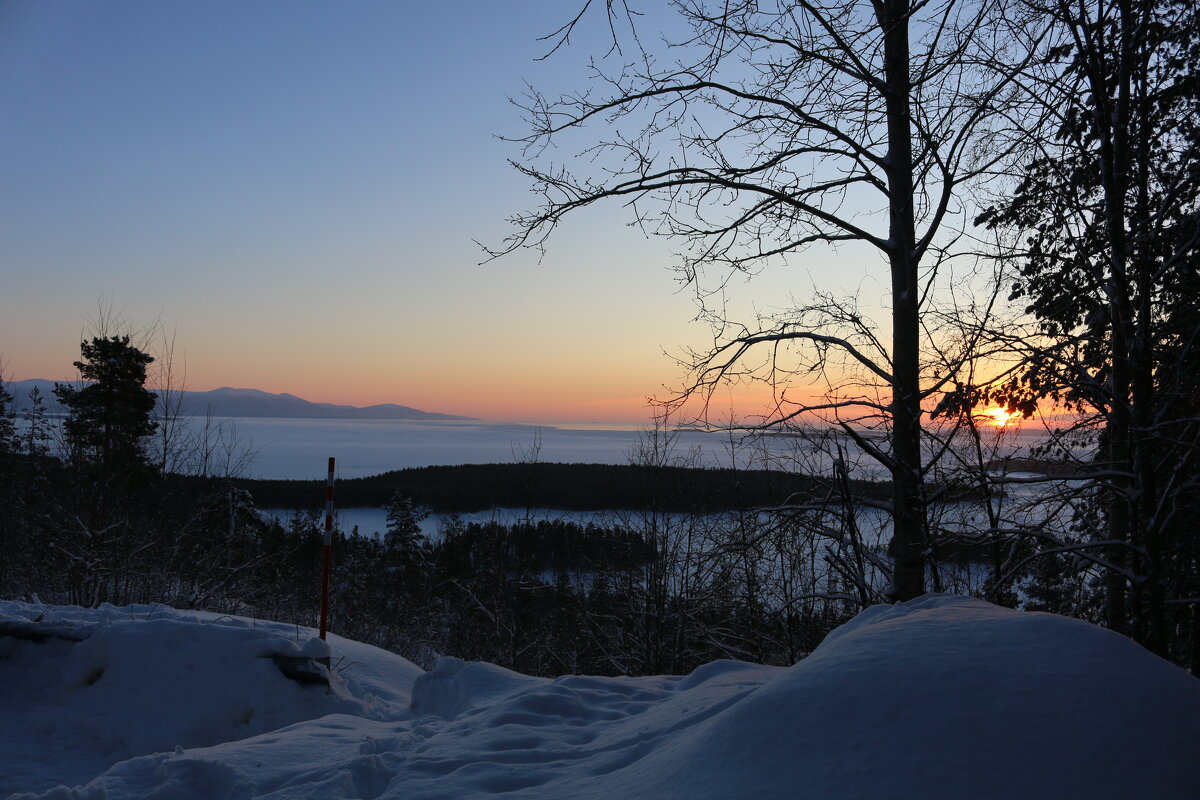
(295, 187)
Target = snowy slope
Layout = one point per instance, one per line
(939, 697)
(146, 679)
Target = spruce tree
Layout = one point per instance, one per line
(109, 419)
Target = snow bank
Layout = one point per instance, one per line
(454, 686)
(113, 683)
(939, 697)
(951, 697)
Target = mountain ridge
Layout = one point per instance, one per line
(229, 401)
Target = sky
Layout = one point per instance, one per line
(295, 190)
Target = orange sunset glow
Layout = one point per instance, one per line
(1001, 417)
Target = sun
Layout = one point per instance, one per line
(1000, 416)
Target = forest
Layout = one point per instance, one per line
(580, 487)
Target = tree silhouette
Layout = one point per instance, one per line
(768, 127)
(109, 419)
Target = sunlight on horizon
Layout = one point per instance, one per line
(1001, 417)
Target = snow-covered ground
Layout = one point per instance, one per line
(939, 697)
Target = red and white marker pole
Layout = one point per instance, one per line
(328, 543)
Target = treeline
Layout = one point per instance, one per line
(646, 594)
(578, 487)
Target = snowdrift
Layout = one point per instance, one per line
(83, 689)
(939, 697)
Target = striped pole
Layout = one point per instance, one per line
(328, 543)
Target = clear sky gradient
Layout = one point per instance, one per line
(295, 188)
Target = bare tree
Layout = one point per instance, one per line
(768, 127)
(169, 382)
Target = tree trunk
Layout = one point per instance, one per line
(908, 537)
(1112, 119)
(1147, 444)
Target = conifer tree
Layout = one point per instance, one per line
(1105, 217)
(109, 419)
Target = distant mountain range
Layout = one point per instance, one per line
(229, 402)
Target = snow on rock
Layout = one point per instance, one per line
(938, 697)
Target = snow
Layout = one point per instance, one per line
(938, 697)
(148, 679)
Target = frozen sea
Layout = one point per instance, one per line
(300, 448)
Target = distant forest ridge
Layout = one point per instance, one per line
(582, 487)
(230, 402)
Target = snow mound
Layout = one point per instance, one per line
(939, 697)
(454, 686)
(951, 697)
(83, 688)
